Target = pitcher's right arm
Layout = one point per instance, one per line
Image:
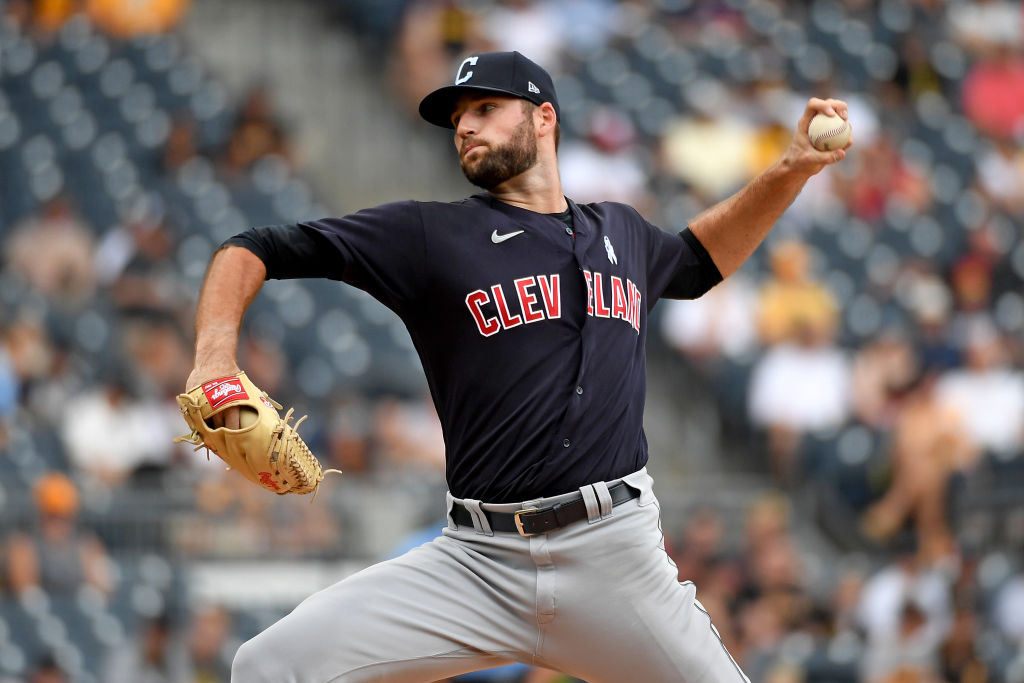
(233, 279)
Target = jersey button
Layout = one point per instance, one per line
(579, 390)
(565, 443)
(568, 231)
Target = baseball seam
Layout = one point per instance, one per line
(830, 132)
(833, 131)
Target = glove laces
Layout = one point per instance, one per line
(301, 465)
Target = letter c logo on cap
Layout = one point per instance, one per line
(459, 77)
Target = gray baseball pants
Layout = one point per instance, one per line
(599, 600)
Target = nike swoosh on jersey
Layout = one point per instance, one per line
(498, 239)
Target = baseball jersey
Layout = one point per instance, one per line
(531, 332)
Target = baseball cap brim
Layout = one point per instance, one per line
(437, 107)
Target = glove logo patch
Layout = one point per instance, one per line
(268, 482)
(220, 391)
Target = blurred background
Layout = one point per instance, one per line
(836, 431)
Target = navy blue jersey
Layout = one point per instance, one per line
(531, 333)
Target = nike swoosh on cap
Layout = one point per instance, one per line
(498, 239)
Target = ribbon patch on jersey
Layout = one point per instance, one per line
(610, 250)
(221, 391)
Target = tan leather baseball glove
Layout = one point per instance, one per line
(266, 449)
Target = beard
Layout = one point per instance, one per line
(500, 163)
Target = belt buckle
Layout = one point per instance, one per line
(519, 522)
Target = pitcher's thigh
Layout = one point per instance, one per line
(656, 641)
(621, 613)
(397, 621)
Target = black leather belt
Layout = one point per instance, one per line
(533, 521)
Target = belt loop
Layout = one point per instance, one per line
(604, 497)
(449, 503)
(480, 523)
(590, 500)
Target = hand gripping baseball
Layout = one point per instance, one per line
(806, 152)
(265, 449)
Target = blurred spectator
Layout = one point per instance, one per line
(844, 597)
(529, 26)
(135, 260)
(916, 74)
(761, 632)
(960, 651)
(702, 556)
(929, 301)
(158, 351)
(712, 150)
(47, 670)
(987, 394)
(433, 35)
(795, 388)
(971, 281)
(774, 105)
(182, 143)
(910, 653)
(54, 253)
(993, 94)
(720, 323)
(604, 166)
(770, 142)
(880, 174)
(767, 520)
(929, 445)
(256, 133)
(801, 383)
(57, 555)
(233, 518)
(457, 25)
(1001, 175)
(881, 370)
(773, 564)
(41, 17)
(155, 654)
(701, 544)
(127, 18)
(906, 612)
(210, 645)
(109, 432)
(982, 26)
(792, 305)
(773, 599)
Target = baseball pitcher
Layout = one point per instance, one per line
(529, 313)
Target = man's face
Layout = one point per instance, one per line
(495, 138)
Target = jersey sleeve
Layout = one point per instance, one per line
(679, 267)
(378, 250)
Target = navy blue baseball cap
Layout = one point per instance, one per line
(508, 73)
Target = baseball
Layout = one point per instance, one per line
(247, 417)
(829, 132)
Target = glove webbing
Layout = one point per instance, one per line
(300, 468)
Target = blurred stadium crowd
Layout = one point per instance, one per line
(866, 364)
